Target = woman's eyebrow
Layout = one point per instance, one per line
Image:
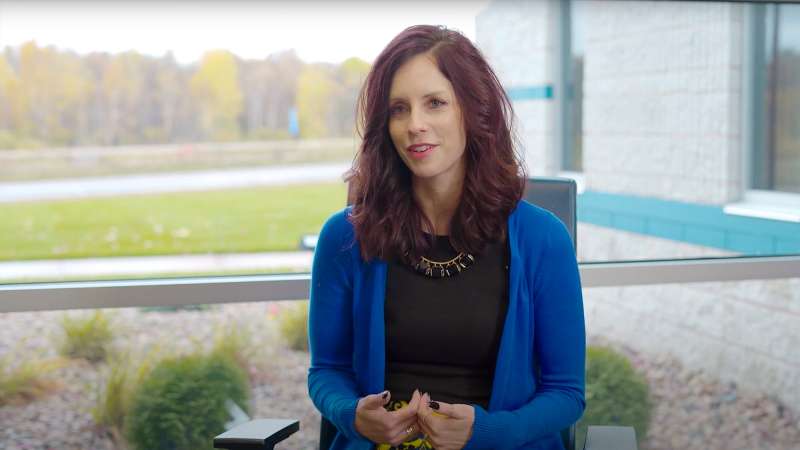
(430, 94)
(434, 94)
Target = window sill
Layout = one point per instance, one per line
(780, 206)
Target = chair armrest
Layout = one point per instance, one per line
(261, 434)
(610, 438)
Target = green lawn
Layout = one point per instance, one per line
(241, 220)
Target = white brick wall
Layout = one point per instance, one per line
(516, 38)
(513, 37)
(662, 99)
(662, 93)
(747, 332)
(710, 327)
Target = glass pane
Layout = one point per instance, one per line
(656, 107)
(177, 155)
(188, 140)
(69, 380)
(718, 361)
(784, 100)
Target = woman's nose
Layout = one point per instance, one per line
(417, 122)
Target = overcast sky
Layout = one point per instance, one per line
(319, 31)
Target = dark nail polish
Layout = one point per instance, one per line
(433, 405)
(385, 394)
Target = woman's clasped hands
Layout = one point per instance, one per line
(445, 426)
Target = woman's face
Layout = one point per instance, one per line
(425, 121)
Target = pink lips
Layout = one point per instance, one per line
(419, 151)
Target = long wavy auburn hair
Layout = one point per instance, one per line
(386, 218)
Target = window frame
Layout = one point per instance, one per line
(564, 88)
(258, 288)
(255, 288)
(753, 202)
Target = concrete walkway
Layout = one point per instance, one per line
(170, 182)
(148, 265)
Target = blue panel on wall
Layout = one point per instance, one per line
(787, 246)
(666, 229)
(629, 222)
(596, 217)
(706, 236)
(751, 244)
(530, 92)
(706, 225)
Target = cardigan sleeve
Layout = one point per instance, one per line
(331, 380)
(560, 347)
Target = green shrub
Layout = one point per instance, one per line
(615, 394)
(294, 326)
(126, 372)
(88, 337)
(26, 381)
(181, 404)
(112, 402)
(114, 397)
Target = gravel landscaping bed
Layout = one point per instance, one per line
(691, 410)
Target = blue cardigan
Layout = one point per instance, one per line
(544, 324)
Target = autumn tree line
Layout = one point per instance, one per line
(50, 97)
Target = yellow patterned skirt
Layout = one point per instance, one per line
(419, 443)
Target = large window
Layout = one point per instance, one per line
(206, 140)
(174, 191)
(776, 157)
(653, 124)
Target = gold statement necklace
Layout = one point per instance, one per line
(442, 269)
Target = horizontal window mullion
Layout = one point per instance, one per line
(232, 289)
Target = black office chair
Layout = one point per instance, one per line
(558, 195)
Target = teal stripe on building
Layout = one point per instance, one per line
(688, 222)
(542, 92)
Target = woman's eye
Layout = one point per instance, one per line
(437, 103)
(397, 109)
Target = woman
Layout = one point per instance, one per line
(445, 312)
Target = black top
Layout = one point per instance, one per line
(442, 335)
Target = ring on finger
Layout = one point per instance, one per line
(410, 429)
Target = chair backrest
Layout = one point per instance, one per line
(557, 195)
